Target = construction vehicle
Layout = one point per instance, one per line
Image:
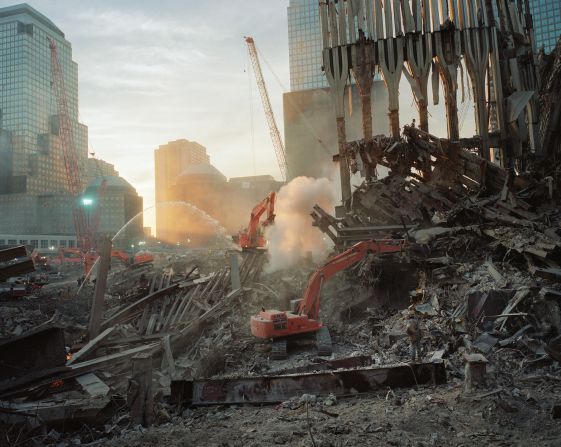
(252, 237)
(139, 258)
(70, 255)
(281, 326)
(269, 115)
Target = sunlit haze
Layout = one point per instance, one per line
(151, 72)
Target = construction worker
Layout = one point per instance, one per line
(415, 335)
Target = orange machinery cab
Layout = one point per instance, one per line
(244, 241)
(277, 323)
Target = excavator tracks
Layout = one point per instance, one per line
(323, 340)
(278, 351)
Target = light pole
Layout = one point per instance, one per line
(87, 202)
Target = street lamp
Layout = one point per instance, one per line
(87, 201)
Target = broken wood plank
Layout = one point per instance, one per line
(168, 356)
(499, 279)
(90, 346)
(113, 358)
(122, 315)
(93, 385)
(139, 396)
(520, 294)
(151, 324)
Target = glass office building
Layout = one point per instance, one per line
(31, 157)
(305, 46)
(546, 15)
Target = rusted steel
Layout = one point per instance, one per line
(15, 262)
(11, 253)
(274, 389)
(327, 365)
(38, 350)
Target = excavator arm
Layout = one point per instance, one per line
(274, 323)
(249, 238)
(310, 301)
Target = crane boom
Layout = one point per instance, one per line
(273, 129)
(66, 136)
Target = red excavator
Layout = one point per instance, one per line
(121, 255)
(281, 325)
(252, 237)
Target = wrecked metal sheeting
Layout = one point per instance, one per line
(8, 254)
(274, 389)
(36, 350)
(15, 262)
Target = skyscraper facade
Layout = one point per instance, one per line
(34, 197)
(170, 160)
(546, 16)
(305, 45)
(309, 117)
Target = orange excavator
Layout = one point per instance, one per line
(121, 255)
(253, 237)
(280, 326)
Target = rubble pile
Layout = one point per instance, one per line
(456, 339)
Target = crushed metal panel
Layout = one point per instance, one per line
(11, 253)
(281, 388)
(37, 350)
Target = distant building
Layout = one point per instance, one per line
(546, 15)
(208, 204)
(310, 133)
(119, 204)
(170, 160)
(34, 197)
(96, 167)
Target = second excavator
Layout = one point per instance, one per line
(252, 237)
(282, 326)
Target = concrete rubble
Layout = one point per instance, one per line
(174, 361)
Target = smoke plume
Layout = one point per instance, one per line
(292, 236)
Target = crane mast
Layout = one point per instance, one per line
(273, 129)
(66, 136)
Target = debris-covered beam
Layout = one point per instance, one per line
(275, 389)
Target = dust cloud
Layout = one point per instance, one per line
(292, 237)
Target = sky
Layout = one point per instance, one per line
(154, 71)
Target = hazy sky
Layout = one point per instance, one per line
(155, 71)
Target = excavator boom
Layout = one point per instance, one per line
(276, 323)
(310, 302)
(250, 238)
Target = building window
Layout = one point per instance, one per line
(12, 242)
(54, 243)
(71, 244)
(2, 241)
(23, 241)
(44, 243)
(34, 243)
(63, 244)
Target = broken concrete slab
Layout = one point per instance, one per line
(93, 385)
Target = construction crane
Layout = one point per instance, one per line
(66, 136)
(273, 129)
